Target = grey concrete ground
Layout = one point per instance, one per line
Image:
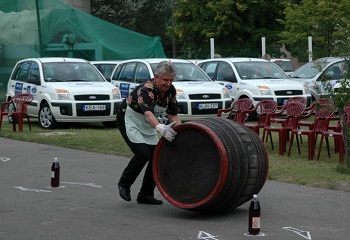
(87, 205)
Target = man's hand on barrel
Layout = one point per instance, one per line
(166, 130)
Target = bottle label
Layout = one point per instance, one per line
(52, 174)
(256, 222)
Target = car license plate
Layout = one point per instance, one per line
(94, 108)
(202, 106)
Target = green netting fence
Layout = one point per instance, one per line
(50, 28)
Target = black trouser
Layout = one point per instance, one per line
(143, 153)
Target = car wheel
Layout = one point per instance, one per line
(46, 118)
(111, 124)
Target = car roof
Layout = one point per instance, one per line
(280, 60)
(106, 62)
(55, 59)
(157, 60)
(236, 59)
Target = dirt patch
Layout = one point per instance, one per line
(56, 133)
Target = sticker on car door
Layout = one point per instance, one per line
(18, 87)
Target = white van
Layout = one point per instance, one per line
(65, 90)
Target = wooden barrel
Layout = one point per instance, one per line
(214, 165)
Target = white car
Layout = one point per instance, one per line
(65, 90)
(285, 64)
(254, 78)
(105, 67)
(316, 73)
(197, 95)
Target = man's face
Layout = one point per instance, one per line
(163, 82)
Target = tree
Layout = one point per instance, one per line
(341, 98)
(327, 22)
(149, 17)
(236, 25)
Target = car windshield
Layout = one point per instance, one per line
(285, 65)
(187, 72)
(259, 70)
(309, 70)
(71, 72)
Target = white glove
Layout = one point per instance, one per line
(166, 130)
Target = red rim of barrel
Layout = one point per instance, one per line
(222, 161)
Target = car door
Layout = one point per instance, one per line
(221, 72)
(25, 79)
(330, 76)
(129, 75)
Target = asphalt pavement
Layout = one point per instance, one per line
(87, 204)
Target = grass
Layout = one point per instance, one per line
(295, 169)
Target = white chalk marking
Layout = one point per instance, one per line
(257, 235)
(4, 159)
(304, 234)
(30, 190)
(84, 184)
(204, 235)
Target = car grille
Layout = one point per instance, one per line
(91, 97)
(204, 96)
(81, 113)
(288, 92)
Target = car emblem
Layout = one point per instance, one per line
(289, 92)
(205, 96)
(92, 97)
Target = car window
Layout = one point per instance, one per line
(105, 68)
(70, 71)
(21, 72)
(210, 68)
(309, 70)
(142, 73)
(34, 72)
(285, 65)
(187, 72)
(259, 70)
(126, 72)
(333, 72)
(225, 72)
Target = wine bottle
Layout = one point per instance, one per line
(254, 216)
(55, 173)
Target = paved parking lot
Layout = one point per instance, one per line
(87, 205)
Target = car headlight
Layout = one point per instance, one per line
(116, 93)
(62, 94)
(264, 90)
(180, 94)
(307, 90)
(226, 93)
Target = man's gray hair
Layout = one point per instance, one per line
(166, 67)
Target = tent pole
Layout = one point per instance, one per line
(39, 28)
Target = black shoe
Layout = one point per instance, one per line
(124, 193)
(148, 200)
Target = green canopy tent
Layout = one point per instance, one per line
(47, 28)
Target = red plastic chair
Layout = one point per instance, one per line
(236, 110)
(17, 109)
(323, 113)
(262, 108)
(325, 134)
(293, 109)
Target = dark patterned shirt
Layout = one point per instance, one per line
(146, 96)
